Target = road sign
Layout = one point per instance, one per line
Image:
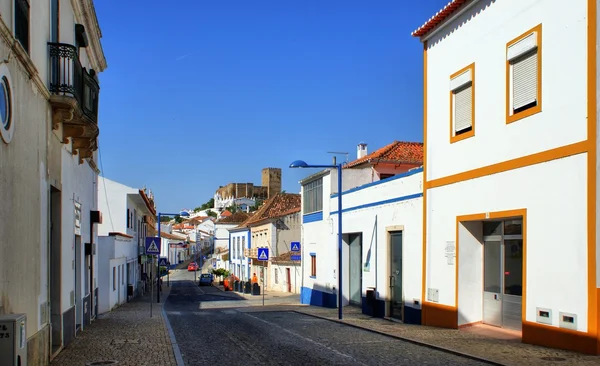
(152, 245)
(263, 254)
(296, 257)
(295, 246)
(162, 262)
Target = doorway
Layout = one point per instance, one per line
(503, 273)
(288, 276)
(396, 301)
(55, 269)
(78, 297)
(355, 268)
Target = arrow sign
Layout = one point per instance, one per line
(152, 245)
(263, 254)
(295, 247)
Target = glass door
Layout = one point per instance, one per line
(396, 275)
(355, 268)
(492, 282)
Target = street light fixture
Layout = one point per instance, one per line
(303, 164)
(182, 214)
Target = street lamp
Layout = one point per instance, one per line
(182, 214)
(303, 164)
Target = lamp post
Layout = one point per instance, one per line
(302, 164)
(182, 214)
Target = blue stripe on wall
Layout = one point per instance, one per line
(312, 217)
(399, 176)
(378, 203)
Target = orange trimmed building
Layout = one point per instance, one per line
(510, 165)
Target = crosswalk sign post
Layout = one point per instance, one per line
(263, 254)
(295, 247)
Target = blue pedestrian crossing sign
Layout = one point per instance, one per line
(263, 254)
(295, 247)
(152, 245)
(162, 262)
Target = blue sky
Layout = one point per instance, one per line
(204, 93)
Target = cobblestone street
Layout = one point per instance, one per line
(127, 334)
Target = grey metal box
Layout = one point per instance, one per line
(13, 340)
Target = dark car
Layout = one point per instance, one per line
(206, 279)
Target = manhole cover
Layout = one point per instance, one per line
(552, 358)
(100, 363)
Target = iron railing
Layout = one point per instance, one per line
(69, 78)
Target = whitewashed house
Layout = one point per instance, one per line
(122, 238)
(319, 225)
(510, 176)
(48, 144)
(221, 251)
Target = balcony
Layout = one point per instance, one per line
(74, 99)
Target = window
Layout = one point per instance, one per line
(313, 196)
(6, 104)
(243, 246)
(276, 275)
(114, 278)
(524, 75)
(22, 23)
(462, 104)
(123, 274)
(313, 265)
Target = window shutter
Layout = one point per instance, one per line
(525, 80)
(463, 108)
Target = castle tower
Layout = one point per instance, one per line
(271, 178)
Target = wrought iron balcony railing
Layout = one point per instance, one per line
(69, 78)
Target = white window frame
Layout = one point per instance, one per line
(7, 133)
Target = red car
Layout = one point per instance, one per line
(193, 266)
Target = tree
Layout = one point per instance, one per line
(178, 219)
(232, 208)
(211, 214)
(165, 219)
(209, 204)
(257, 205)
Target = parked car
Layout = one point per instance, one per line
(193, 266)
(206, 279)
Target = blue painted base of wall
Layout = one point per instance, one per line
(313, 297)
(378, 311)
(412, 315)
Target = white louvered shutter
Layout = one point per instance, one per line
(463, 108)
(525, 80)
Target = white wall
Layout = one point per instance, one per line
(222, 235)
(482, 40)
(239, 258)
(282, 283)
(113, 203)
(390, 205)
(554, 194)
(115, 251)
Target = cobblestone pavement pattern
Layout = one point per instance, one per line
(127, 334)
(501, 351)
(230, 336)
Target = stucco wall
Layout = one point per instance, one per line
(482, 39)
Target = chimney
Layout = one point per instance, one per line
(361, 150)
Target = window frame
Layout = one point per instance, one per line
(470, 133)
(313, 265)
(510, 118)
(312, 196)
(7, 132)
(20, 11)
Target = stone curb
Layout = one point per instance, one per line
(176, 350)
(414, 341)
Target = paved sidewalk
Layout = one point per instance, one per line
(127, 334)
(500, 350)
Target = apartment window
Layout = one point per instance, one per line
(128, 219)
(313, 264)
(135, 220)
(313, 196)
(114, 278)
(462, 104)
(243, 245)
(22, 23)
(123, 274)
(524, 75)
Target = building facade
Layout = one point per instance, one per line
(240, 241)
(48, 154)
(503, 173)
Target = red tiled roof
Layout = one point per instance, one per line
(113, 233)
(171, 236)
(226, 213)
(280, 205)
(396, 152)
(286, 257)
(439, 17)
(236, 218)
(147, 202)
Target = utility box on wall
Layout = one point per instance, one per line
(13, 340)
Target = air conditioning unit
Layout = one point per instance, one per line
(13, 340)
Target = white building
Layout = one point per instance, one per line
(239, 244)
(118, 270)
(510, 181)
(48, 143)
(128, 214)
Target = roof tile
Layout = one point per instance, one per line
(280, 205)
(235, 218)
(397, 152)
(438, 18)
